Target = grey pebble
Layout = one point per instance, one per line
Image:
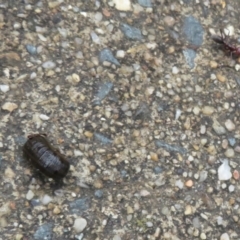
(44, 232)
(232, 141)
(158, 170)
(1, 161)
(35, 202)
(170, 148)
(20, 140)
(237, 79)
(98, 193)
(193, 31)
(79, 237)
(145, 3)
(80, 205)
(149, 224)
(163, 106)
(107, 55)
(117, 237)
(103, 90)
(49, 65)
(103, 139)
(31, 49)
(142, 111)
(123, 173)
(189, 55)
(218, 128)
(131, 32)
(196, 222)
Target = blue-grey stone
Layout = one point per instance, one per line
(79, 237)
(237, 80)
(80, 205)
(20, 140)
(103, 90)
(143, 111)
(179, 170)
(158, 170)
(44, 232)
(98, 193)
(193, 31)
(103, 139)
(1, 160)
(163, 106)
(173, 34)
(31, 49)
(107, 55)
(35, 202)
(123, 173)
(145, 3)
(131, 32)
(232, 141)
(170, 148)
(189, 55)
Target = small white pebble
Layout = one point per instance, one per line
(237, 67)
(213, 76)
(196, 110)
(78, 153)
(196, 176)
(203, 129)
(33, 75)
(49, 65)
(224, 185)
(203, 176)
(203, 236)
(178, 114)
(122, 5)
(224, 236)
(229, 153)
(44, 117)
(29, 195)
(190, 158)
(219, 220)
(226, 105)
(95, 38)
(204, 141)
(229, 125)
(17, 25)
(46, 199)
(229, 30)
(116, 237)
(144, 193)
(150, 90)
(208, 110)
(58, 88)
(179, 184)
(98, 16)
(120, 54)
(224, 171)
(149, 224)
(80, 224)
(231, 188)
(4, 88)
(175, 70)
(198, 89)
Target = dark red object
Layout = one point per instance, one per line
(45, 157)
(225, 41)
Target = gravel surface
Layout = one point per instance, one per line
(143, 104)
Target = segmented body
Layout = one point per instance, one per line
(224, 40)
(45, 157)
